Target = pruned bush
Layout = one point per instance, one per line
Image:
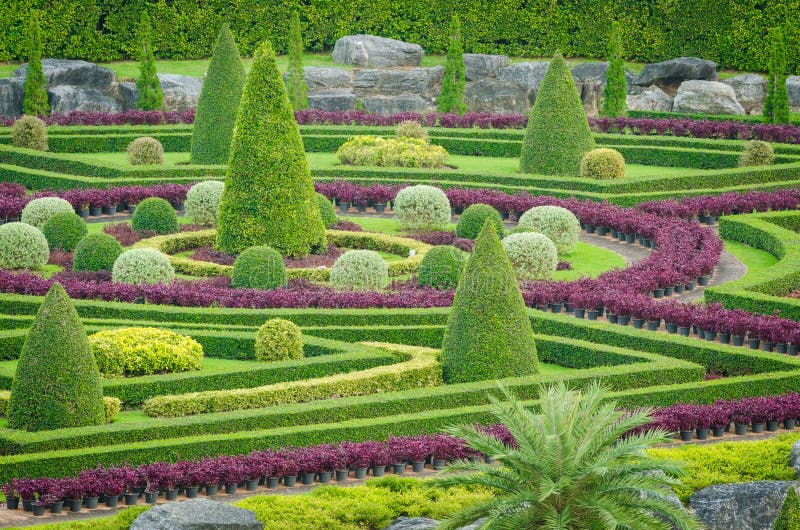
(533, 256)
(757, 153)
(259, 268)
(411, 129)
(144, 351)
(96, 252)
(22, 246)
(142, 266)
(202, 202)
(789, 514)
(391, 152)
(64, 230)
(422, 207)
(156, 214)
(29, 132)
(277, 340)
(441, 267)
(471, 221)
(145, 151)
(360, 270)
(603, 164)
(557, 223)
(326, 211)
(38, 211)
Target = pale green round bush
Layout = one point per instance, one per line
(38, 211)
(360, 270)
(757, 153)
(29, 132)
(279, 339)
(411, 129)
(422, 207)
(142, 266)
(559, 224)
(22, 246)
(603, 164)
(533, 256)
(203, 200)
(145, 151)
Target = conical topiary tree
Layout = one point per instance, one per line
(454, 81)
(218, 102)
(296, 74)
(789, 515)
(776, 102)
(558, 132)
(57, 383)
(268, 198)
(34, 100)
(615, 93)
(148, 85)
(489, 334)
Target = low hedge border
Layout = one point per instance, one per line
(111, 405)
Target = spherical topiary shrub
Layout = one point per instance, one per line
(326, 210)
(142, 266)
(360, 270)
(533, 256)
(155, 214)
(145, 151)
(603, 164)
(422, 207)
(202, 202)
(471, 221)
(144, 351)
(38, 211)
(64, 230)
(411, 129)
(259, 268)
(22, 246)
(277, 340)
(96, 252)
(441, 267)
(29, 132)
(757, 153)
(559, 224)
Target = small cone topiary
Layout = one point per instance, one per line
(454, 81)
(57, 383)
(489, 334)
(296, 75)
(789, 515)
(148, 85)
(35, 101)
(615, 92)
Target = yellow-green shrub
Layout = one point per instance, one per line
(141, 351)
(391, 152)
(112, 405)
(279, 339)
(603, 164)
(757, 153)
(411, 129)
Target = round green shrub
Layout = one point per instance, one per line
(202, 202)
(259, 268)
(142, 266)
(411, 129)
(96, 252)
(38, 211)
(757, 153)
(144, 351)
(603, 164)
(559, 224)
(155, 214)
(145, 151)
(277, 340)
(64, 230)
(533, 256)
(22, 246)
(326, 210)
(360, 270)
(422, 207)
(441, 267)
(471, 221)
(29, 132)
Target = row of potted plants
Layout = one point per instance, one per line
(707, 208)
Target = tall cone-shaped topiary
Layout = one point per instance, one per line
(454, 81)
(148, 85)
(558, 132)
(489, 334)
(776, 102)
(34, 100)
(615, 93)
(218, 102)
(789, 514)
(296, 74)
(268, 198)
(57, 383)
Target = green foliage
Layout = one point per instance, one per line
(360, 270)
(156, 214)
(119, 521)
(219, 99)
(149, 87)
(111, 405)
(557, 135)
(279, 339)
(203, 200)
(29, 132)
(296, 75)
(96, 252)
(533, 256)
(402, 151)
(789, 515)
(38, 211)
(441, 267)
(557, 223)
(144, 351)
(142, 266)
(603, 164)
(422, 207)
(269, 197)
(776, 102)
(757, 153)
(56, 384)
(22, 246)
(454, 81)
(34, 101)
(326, 211)
(615, 93)
(488, 334)
(259, 268)
(473, 218)
(145, 151)
(411, 129)
(64, 230)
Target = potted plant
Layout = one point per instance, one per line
(741, 416)
(73, 491)
(345, 193)
(380, 195)
(359, 457)
(11, 494)
(92, 487)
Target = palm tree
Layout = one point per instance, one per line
(576, 466)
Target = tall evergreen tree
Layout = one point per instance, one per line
(789, 514)
(451, 97)
(296, 75)
(776, 103)
(615, 93)
(148, 85)
(35, 101)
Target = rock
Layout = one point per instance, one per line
(412, 523)
(197, 514)
(742, 506)
(750, 90)
(528, 74)
(668, 75)
(395, 104)
(494, 95)
(376, 52)
(325, 78)
(794, 457)
(128, 95)
(597, 71)
(332, 100)
(11, 96)
(652, 98)
(706, 97)
(181, 92)
(793, 88)
(479, 65)
(72, 72)
(421, 82)
(68, 98)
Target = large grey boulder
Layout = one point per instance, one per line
(652, 98)
(422, 82)
(668, 75)
(793, 89)
(480, 65)
(68, 98)
(11, 96)
(396, 104)
(332, 100)
(750, 90)
(413, 523)
(127, 94)
(529, 74)
(181, 92)
(494, 95)
(369, 51)
(740, 506)
(706, 97)
(72, 72)
(197, 514)
(324, 78)
(598, 71)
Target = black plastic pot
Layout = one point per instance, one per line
(418, 467)
(192, 491)
(738, 340)
(439, 464)
(272, 482)
(702, 434)
(623, 320)
(306, 479)
(792, 349)
(378, 471)
(172, 494)
(399, 468)
(12, 503)
(83, 212)
(251, 484)
(683, 331)
(612, 318)
(580, 313)
(703, 280)
(91, 502)
(753, 343)
(325, 477)
(614, 233)
(555, 308)
(724, 338)
(27, 505)
(591, 314)
(290, 481)
(602, 230)
(757, 426)
(766, 345)
(781, 347)
(686, 435)
(230, 489)
(112, 501)
(360, 473)
(740, 429)
(380, 207)
(772, 425)
(344, 207)
(672, 328)
(679, 288)
(710, 335)
(653, 325)
(589, 229)
(638, 323)
(131, 499)
(94, 211)
(150, 497)
(789, 424)
(658, 293)
(669, 291)
(38, 509)
(110, 210)
(75, 505)
(691, 285)
(630, 238)
(717, 431)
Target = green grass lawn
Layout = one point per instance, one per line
(754, 259)
(589, 260)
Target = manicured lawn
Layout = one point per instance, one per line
(754, 259)
(589, 260)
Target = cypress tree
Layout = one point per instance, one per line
(268, 198)
(57, 383)
(34, 102)
(296, 75)
(489, 334)
(789, 515)
(776, 102)
(148, 85)
(451, 97)
(615, 93)
(558, 132)
(218, 102)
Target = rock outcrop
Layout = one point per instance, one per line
(370, 51)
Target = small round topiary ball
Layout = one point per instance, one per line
(360, 270)
(441, 267)
(22, 246)
(472, 219)
(155, 214)
(603, 164)
(559, 224)
(29, 132)
(422, 207)
(259, 268)
(145, 151)
(96, 252)
(757, 153)
(142, 266)
(533, 256)
(38, 211)
(64, 230)
(411, 129)
(202, 202)
(326, 211)
(277, 340)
